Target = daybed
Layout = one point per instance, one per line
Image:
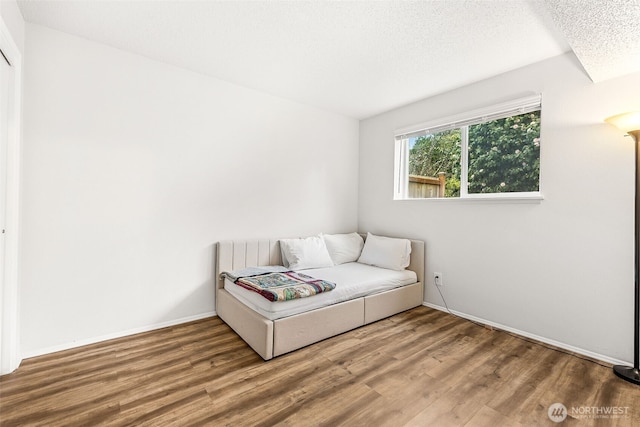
(271, 338)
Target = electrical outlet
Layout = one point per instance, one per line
(437, 279)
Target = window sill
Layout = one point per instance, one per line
(531, 198)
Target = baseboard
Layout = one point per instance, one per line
(534, 337)
(115, 335)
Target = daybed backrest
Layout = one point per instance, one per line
(416, 263)
(236, 254)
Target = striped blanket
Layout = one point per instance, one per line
(284, 286)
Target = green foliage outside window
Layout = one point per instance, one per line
(436, 153)
(503, 155)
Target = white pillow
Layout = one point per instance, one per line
(343, 247)
(301, 254)
(386, 252)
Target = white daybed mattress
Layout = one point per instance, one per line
(353, 280)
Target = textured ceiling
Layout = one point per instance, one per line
(604, 34)
(357, 58)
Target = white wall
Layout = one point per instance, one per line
(560, 270)
(13, 19)
(133, 169)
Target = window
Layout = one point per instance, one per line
(494, 152)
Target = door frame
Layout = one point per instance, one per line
(10, 357)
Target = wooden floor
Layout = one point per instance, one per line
(419, 368)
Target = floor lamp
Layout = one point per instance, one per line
(630, 123)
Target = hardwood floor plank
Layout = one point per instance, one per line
(356, 409)
(488, 417)
(421, 367)
(319, 411)
(439, 413)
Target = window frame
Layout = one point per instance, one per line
(462, 121)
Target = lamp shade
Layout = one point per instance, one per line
(627, 122)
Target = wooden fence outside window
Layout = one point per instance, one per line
(426, 187)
